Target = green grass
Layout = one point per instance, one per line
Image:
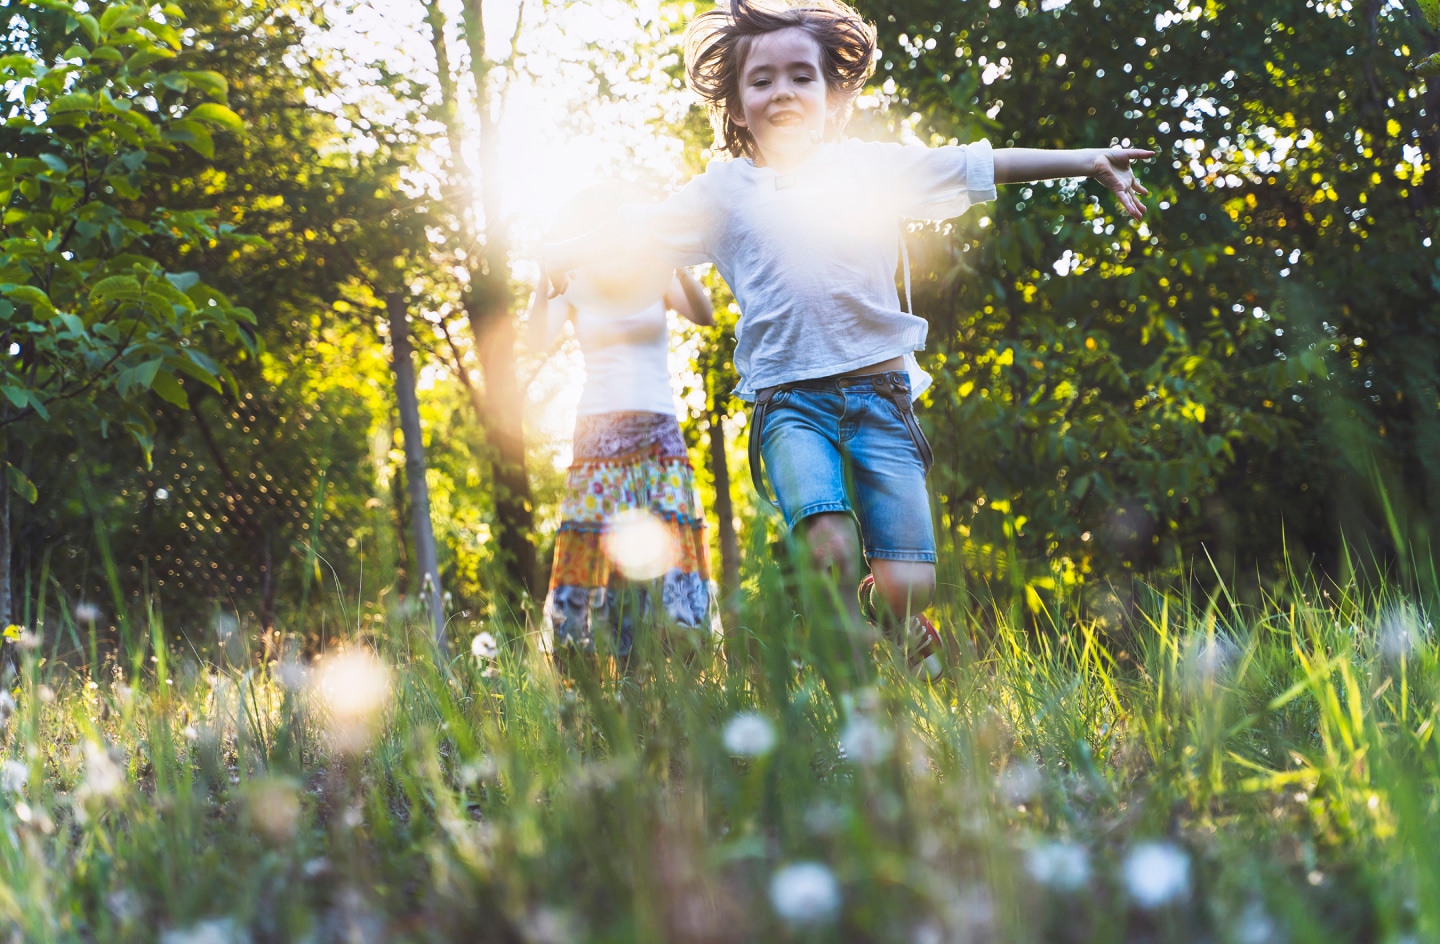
(1208, 771)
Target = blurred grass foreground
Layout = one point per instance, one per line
(1234, 773)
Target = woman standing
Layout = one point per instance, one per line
(632, 549)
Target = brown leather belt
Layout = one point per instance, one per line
(892, 384)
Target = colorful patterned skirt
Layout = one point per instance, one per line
(632, 549)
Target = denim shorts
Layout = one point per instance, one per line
(839, 445)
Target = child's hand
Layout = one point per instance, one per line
(1112, 168)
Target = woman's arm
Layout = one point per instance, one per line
(691, 301)
(1110, 166)
(547, 316)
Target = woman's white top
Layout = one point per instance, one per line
(627, 359)
(811, 255)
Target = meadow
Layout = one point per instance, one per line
(1199, 769)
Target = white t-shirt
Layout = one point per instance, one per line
(811, 255)
(627, 359)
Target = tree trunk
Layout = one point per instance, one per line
(724, 513)
(493, 326)
(426, 565)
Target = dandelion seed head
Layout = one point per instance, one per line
(824, 818)
(749, 734)
(805, 893)
(866, 741)
(13, 776)
(272, 806)
(1399, 632)
(104, 776)
(480, 769)
(640, 545)
(7, 707)
(213, 931)
(125, 905)
(484, 647)
(1063, 866)
(1156, 874)
(1255, 926)
(1019, 782)
(225, 625)
(292, 675)
(546, 925)
(1208, 659)
(87, 613)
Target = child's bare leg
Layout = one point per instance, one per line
(834, 550)
(903, 588)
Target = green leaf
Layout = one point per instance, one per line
(118, 16)
(170, 390)
(209, 82)
(90, 25)
(1427, 67)
(1431, 10)
(22, 485)
(16, 395)
(133, 380)
(55, 163)
(194, 134)
(20, 66)
(207, 377)
(38, 301)
(146, 57)
(115, 288)
(164, 289)
(70, 102)
(216, 114)
(184, 281)
(107, 54)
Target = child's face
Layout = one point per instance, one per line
(782, 94)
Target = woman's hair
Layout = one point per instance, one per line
(718, 42)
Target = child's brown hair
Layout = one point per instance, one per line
(718, 41)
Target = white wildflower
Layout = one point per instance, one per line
(213, 931)
(13, 776)
(103, 775)
(1063, 866)
(87, 613)
(1019, 782)
(805, 893)
(1399, 632)
(484, 647)
(29, 640)
(125, 905)
(1255, 926)
(547, 925)
(749, 734)
(273, 808)
(7, 707)
(1156, 873)
(865, 741)
(1208, 659)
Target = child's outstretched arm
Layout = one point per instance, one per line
(599, 245)
(1110, 166)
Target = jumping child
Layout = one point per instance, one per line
(805, 227)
